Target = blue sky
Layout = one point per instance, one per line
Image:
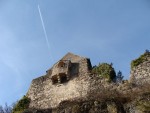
(104, 30)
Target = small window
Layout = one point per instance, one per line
(64, 79)
(55, 81)
(62, 65)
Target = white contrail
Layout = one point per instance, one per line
(43, 27)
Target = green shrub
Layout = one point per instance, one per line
(143, 106)
(143, 103)
(21, 105)
(76, 109)
(140, 60)
(105, 70)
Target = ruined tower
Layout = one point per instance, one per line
(64, 81)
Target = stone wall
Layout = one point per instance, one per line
(44, 94)
(141, 73)
(83, 84)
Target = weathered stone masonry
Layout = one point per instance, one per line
(49, 90)
(70, 78)
(141, 74)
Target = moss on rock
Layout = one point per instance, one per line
(140, 60)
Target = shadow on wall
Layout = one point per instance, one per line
(74, 69)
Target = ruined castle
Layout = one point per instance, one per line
(62, 82)
(71, 78)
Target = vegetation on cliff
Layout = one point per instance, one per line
(21, 105)
(140, 60)
(143, 103)
(118, 104)
(105, 70)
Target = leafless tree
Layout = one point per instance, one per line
(5, 109)
(1, 109)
